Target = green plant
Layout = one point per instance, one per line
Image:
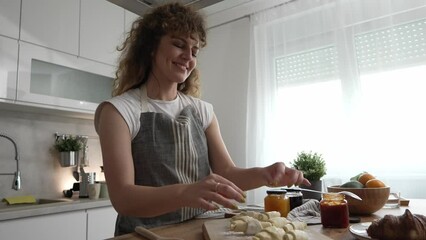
(311, 164)
(68, 144)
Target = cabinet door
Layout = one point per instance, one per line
(9, 18)
(8, 68)
(101, 30)
(65, 226)
(56, 80)
(101, 223)
(51, 23)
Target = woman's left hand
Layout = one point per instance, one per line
(278, 174)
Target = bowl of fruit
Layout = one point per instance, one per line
(374, 193)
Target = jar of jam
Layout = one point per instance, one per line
(334, 211)
(276, 200)
(295, 197)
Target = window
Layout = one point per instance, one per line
(378, 123)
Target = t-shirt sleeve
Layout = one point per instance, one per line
(128, 109)
(206, 112)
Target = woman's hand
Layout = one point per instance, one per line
(211, 191)
(278, 174)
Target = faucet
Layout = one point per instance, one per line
(17, 175)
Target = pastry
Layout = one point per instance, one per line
(270, 233)
(296, 235)
(247, 224)
(279, 221)
(405, 227)
(295, 226)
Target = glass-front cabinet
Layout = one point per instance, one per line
(52, 79)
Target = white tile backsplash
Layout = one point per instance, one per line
(41, 173)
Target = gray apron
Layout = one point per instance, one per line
(167, 151)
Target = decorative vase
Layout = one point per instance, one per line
(69, 159)
(315, 185)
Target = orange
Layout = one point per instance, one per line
(374, 183)
(365, 177)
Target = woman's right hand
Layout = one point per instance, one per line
(211, 191)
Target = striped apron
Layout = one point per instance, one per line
(167, 151)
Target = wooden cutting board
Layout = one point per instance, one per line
(219, 230)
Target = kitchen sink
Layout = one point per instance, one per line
(39, 202)
(47, 200)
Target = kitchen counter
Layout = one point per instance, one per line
(192, 230)
(59, 206)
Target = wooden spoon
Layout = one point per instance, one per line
(152, 236)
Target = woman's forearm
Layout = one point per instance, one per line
(143, 201)
(246, 178)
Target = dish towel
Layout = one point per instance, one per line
(308, 212)
(19, 199)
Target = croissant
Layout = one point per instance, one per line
(248, 225)
(295, 226)
(270, 233)
(405, 227)
(296, 235)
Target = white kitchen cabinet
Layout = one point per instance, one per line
(101, 223)
(101, 30)
(52, 24)
(10, 12)
(56, 80)
(65, 226)
(8, 68)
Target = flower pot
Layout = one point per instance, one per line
(315, 185)
(69, 159)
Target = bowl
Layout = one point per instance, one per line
(373, 199)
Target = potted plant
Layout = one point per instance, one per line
(68, 147)
(313, 167)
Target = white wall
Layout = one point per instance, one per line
(223, 64)
(41, 174)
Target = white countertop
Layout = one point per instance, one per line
(32, 210)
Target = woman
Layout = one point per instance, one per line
(163, 154)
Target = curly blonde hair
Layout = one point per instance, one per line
(135, 62)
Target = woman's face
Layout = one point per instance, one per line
(175, 58)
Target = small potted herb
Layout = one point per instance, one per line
(68, 147)
(313, 167)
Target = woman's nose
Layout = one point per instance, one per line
(187, 54)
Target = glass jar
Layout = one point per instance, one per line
(295, 197)
(276, 200)
(334, 211)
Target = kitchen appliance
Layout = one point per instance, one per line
(86, 179)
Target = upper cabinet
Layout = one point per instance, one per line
(52, 24)
(57, 80)
(101, 30)
(9, 18)
(8, 68)
(59, 54)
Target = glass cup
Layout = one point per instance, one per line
(393, 200)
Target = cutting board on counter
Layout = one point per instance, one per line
(219, 230)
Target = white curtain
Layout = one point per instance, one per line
(343, 78)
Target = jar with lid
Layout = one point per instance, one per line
(334, 211)
(276, 200)
(295, 197)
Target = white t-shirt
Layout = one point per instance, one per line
(128, 105)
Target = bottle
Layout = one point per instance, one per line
(276, 200)
(334, 211)
(295, 197)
